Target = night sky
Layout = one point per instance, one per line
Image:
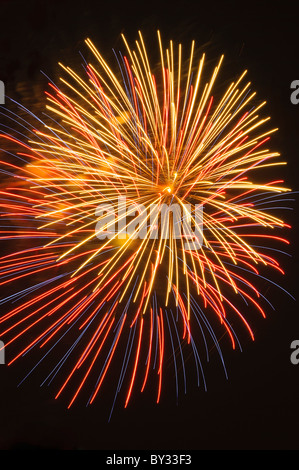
(257, 407)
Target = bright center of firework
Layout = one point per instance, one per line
(168, 189)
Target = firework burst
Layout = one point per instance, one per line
(109, 305)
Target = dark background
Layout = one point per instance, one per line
(257, 408)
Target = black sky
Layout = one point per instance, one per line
(257, 408)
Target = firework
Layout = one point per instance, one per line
(111, 306)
